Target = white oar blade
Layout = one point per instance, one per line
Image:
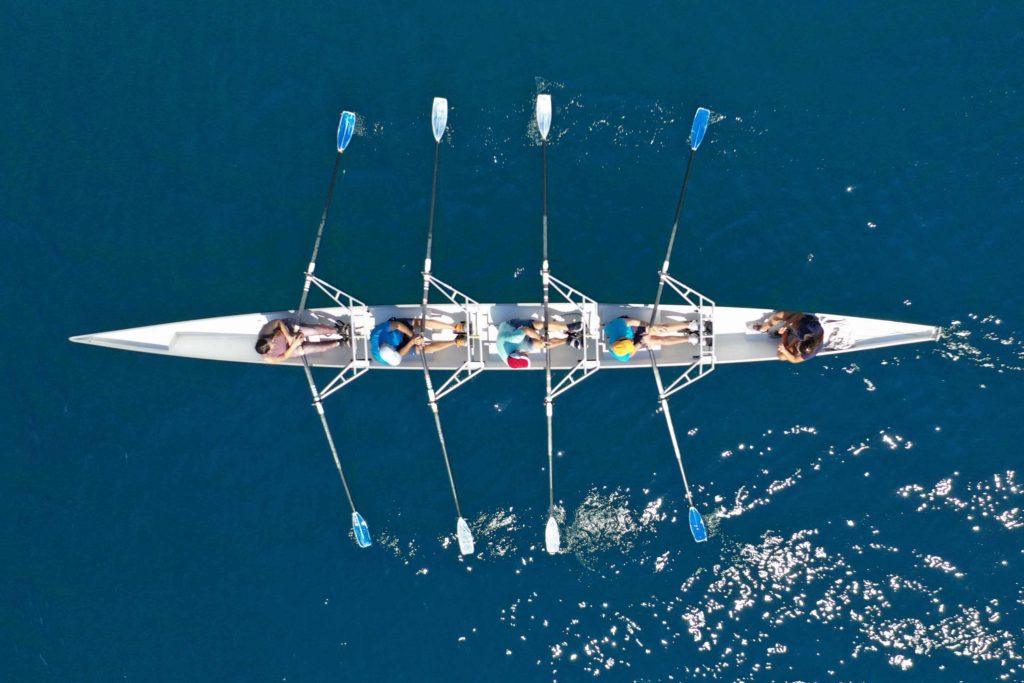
(346, 126)
(361, 531)
(700, 126)
(465, 537)
(552, 538)
(439, 117)
(700, 533)
(544, 115)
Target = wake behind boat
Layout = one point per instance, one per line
(576, 335)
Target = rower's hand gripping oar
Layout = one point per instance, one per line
(697, 131)
(439, 122)
(346, 126)
(552, 536)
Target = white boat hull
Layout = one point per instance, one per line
(232, 338)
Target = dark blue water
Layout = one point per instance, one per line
(167, 519)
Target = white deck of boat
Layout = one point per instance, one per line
(232, 338)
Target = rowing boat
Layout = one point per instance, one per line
(724, 334)
(232, 338)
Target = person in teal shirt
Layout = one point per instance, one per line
(518, 338)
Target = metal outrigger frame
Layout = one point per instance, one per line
(474, 363)
(358, 339)
(704, 362)
(590, 362)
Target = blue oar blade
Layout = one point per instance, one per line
(346, 126)
(361, 531)
(700, 534)
(700, 126)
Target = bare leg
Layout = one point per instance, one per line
(313, 348)
(774, 319)
(311, 330)
(435, 346)
(436, 325)
(556, 342)
(674, 328)
(555, 326)
(657, 340)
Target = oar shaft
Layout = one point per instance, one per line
(548, 407)
(431, 396)
(672, 235)
(318, 405)
(320, 232)
(545, 281)
(444, 452)
(544, 194)
(430, 228)
(671, 427)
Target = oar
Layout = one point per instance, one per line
(552, 537)
(359, 528)
(346, 126)
(439, 122)
(697, 131)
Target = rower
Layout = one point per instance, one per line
(800, 334)
(393, 339)
(518, 338)
(286, 338)
(625, 336)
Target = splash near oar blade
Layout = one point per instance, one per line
(361, 531)
(465, 537)
(552, 538)
(346, 127)
(700, 126)
(544, 115)
(439, 117)
(700, 534)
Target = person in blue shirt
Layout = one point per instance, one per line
(393, 339)
(625, 336)
(800, 334)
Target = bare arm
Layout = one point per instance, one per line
(288, 336)
(772, 320)
(288, 353)
(402, 327)
(784, 354)
(783, 350)
(295, 344)
(409, 344)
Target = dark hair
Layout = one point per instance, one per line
(262, 345)
(809, 347)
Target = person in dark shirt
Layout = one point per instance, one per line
(800, 334)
